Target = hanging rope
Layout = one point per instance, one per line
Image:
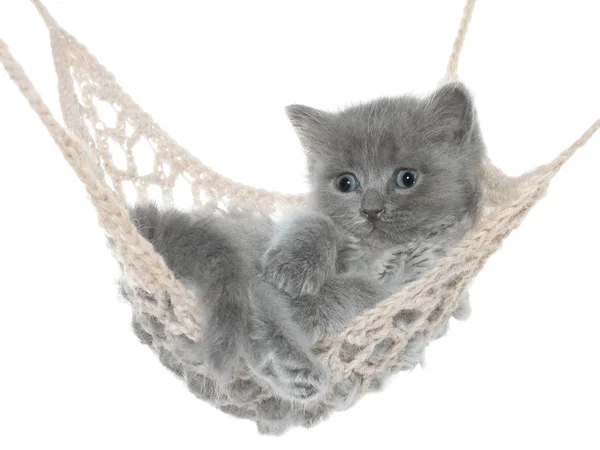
(451, 71)
(545, 172)
(140, 261)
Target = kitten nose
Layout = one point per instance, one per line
(372, 205)
(372, 215)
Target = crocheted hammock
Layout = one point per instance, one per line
(367, 351)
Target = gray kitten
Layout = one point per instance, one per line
(394, 183)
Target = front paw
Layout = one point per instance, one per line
(299, 268)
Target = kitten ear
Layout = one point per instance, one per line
(312, 126)
(453, 112)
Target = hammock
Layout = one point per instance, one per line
(368, 350)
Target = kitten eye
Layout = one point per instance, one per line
(346, 182)
(406, 178)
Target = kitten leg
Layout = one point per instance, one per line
(278, 351)
(302, 255)
(209, 259)
(345, 296)
(219, 346)
(341, 299)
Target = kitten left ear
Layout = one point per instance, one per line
(453, 111)
(311, 126)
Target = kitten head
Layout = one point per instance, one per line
(395, 170)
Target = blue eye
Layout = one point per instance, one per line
(406, 178)
(346, 182)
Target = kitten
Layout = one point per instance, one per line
(394, 183)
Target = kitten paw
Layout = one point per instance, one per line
(297, 377)
(299, 269)
(292, 372)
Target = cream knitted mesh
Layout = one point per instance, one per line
(93, 145)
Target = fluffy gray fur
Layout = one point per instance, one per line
(272, 289)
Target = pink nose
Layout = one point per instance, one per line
(372, 215)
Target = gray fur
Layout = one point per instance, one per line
(439, 137)
(272, 289)
(218, 257)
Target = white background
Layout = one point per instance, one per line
(521, 373)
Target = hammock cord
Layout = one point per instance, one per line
(451, 70)
(544, 173)
(113, 216)
(144, 266)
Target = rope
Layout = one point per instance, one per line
(543, 174)
(451, 71)
(144, 266)
(48, 19)
(566, 154)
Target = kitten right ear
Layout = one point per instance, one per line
(311, 126)
(453, 111)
